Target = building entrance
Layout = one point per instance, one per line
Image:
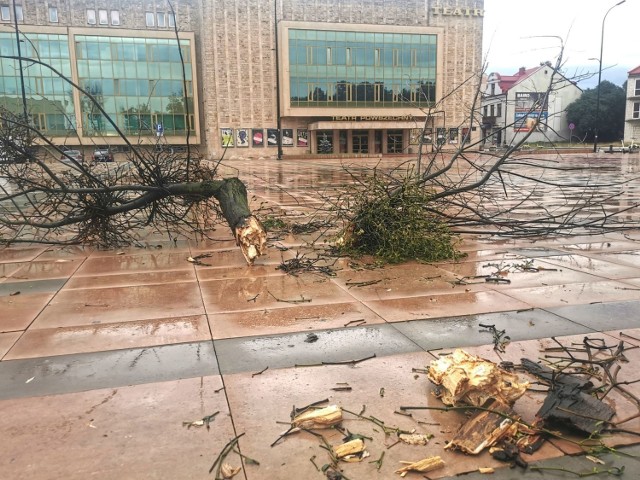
(360, 141)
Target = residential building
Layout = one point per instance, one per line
(260, 76)
(514, 105)
(632, 110)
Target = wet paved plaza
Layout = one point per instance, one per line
(104, 354)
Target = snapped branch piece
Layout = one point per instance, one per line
(423, 466)
(319, 418)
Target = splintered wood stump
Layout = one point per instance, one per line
(249, 233)
(472, 380)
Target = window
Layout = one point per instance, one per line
(492, 110)
(115, 17)
(485, 111)
(493, 89)
(172, 20)
(5, 13)
(637, 92)
(91, 17)
(162, 19)
(53, 14)
(150, 17)
(19, 14)
(103, 18)
(348, 56)
(499, 112)
(636, 110)
(329, 61)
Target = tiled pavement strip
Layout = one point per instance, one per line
(106, 353)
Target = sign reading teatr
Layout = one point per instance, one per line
(457, 12)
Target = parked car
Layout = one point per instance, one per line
(102, 155)
(76, 155)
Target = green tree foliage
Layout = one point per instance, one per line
(395, 220)
(610, 120)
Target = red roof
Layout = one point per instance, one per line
(635, 71)
(508, 81)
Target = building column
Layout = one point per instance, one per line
(385, 143)
(313, 141)
(372, 141)
(336, 141)
(406, 138)
(349, 141)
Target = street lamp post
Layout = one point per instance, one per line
(595, 130)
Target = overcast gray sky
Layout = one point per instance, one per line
(511, 28)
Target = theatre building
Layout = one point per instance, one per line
(339, 77)
(248, 78)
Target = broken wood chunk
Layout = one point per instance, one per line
(251, 237)
(414, 438)
(485, 428)
(486, 470)
(228, 471)
(350, 451)
(473, 380)
(422, 466)
(319, 418)
(568, 403)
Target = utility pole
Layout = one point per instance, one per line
(278, 120)
(24, 94)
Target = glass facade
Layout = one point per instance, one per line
(137, 81)
(361, 69)
(49, 97)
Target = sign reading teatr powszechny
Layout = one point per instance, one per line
(457, 11)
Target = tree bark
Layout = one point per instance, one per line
(231, 195)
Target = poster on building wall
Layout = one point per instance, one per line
(453, 135)
(272, 137)
(242, 137)
(531, 111)
(441, 136)
(258, 137)
(287, 137)
(414, 136)
(227, 137)
(303, 137)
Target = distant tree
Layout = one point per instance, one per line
(582, 113)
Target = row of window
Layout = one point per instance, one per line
(420, 92)
(95, 17)
(140, 88)
(160, 19)
(145, 124)
(103, 17)
(494, 110)
(6, 10)
(389, 56)
(637, 88)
